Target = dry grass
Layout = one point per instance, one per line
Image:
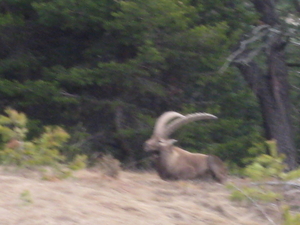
(89, 198)
(109, 166)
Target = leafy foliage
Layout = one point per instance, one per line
(79, 162)
(263, 169)
(270, 166)
(289, 218)
(261, 194)
(40, 151)
(113, 67)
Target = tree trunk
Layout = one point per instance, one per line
(297, 5)
(271, 86)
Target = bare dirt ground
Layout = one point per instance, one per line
(89, 198)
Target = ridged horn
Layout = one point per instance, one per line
(175, 124)
(159, 128)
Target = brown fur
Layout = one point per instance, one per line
(175, 163)
(217, 167)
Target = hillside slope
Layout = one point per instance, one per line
(89, 198)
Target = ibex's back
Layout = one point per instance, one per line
(176, 163)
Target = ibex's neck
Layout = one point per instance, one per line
(169, 156)
(162, 165)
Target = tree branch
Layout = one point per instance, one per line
(255, 203)
(64, 93)
(257, 33)
(279, 183)
(295, 43)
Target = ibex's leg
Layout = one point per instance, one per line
(165, 175)
(217, 168)
(162, 172)
(186, 172)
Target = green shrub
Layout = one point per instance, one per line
(40, 151)
(289, 218)
(267, 166)
(79, 162)
(254, 193)
(12, 126)
(264, 168)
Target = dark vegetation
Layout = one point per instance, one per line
(105, 70)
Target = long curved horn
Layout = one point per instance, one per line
(159, 128)
(174, 125)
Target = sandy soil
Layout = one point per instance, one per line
(89, 198)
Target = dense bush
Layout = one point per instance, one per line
(16, 150)
(267, 172)
(105, 70)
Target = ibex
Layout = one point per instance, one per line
(174, 163)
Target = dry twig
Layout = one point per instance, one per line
(257, 33)
(257, 205)
(278, 183)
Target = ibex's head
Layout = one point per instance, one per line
(166, 124)
(158, 136)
